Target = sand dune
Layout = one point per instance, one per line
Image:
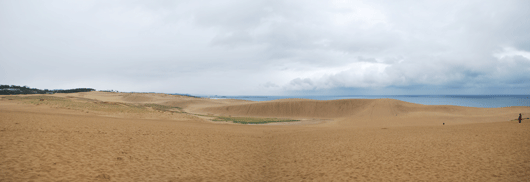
(134, 137)
(371, 112)
(137, 98)
(299, 108)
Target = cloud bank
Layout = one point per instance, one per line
(268, 47)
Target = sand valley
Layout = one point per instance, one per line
(102, 136)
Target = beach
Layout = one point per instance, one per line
(104, 136)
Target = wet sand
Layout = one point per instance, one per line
(115, 137)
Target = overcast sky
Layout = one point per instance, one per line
(229, 47)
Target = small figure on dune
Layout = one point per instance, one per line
(520, 118)
(443, 123)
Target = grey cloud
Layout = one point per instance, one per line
(301, 84)
(240, 47)
(270, 85)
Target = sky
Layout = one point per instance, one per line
(268, 47)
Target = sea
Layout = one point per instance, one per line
(483, 101)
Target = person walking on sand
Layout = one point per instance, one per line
(520, 118)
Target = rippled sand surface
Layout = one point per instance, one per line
(100, 136)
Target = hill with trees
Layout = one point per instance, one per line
(15, 89)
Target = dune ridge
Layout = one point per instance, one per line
(367, 112)
(295, 108)
(336, 108)
(143, 137)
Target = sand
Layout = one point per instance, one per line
(100, 136)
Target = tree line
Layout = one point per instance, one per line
(15, 89)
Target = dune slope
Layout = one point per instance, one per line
(374, 111)
(295, 108)
(100, 137)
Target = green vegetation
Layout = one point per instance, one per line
(164, 108)
(247, 120)
(80, 104)
(187, 95)
(85, 104)
(36, 99)
(14, 90)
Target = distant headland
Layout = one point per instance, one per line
(15, 90)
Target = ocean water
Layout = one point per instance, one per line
(484, 101)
